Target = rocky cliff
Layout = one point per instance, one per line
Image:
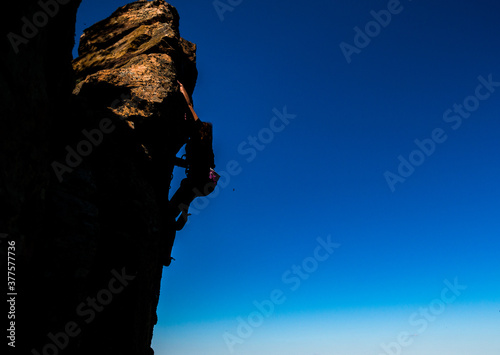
(87, 149)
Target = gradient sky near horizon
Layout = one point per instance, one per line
(433, 71)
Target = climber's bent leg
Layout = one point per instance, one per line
(187, 192)
(182, 198)
(182, 220)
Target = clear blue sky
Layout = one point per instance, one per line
(401, 237)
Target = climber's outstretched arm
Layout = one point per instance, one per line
(188, 100)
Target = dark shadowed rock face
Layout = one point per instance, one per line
(88, 156)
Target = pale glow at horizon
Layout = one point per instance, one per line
(459, 330)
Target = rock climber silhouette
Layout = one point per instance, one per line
(200, 160)
(200, 179)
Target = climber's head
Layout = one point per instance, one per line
(206, 130)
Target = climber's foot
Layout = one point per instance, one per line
(167, 261)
